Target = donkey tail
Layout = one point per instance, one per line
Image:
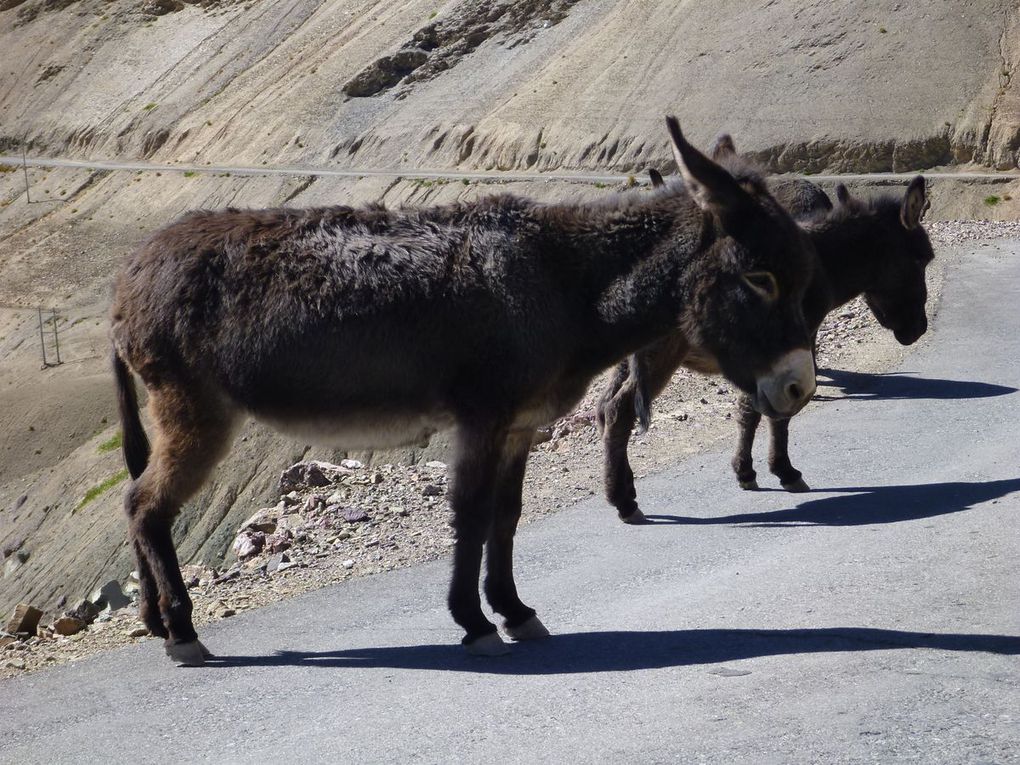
(641, 399)
(135, 442)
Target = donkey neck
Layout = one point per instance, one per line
(637, 267)
(851, 251)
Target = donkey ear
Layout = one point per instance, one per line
(842, 194)
(714, 189)
(723, 147)
(656, 178)
(915, 202)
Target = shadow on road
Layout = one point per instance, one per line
(627, 651)
(866, 505)
(891, 385)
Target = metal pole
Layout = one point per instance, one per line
(24, 169)
(42, 339)
(56, 338)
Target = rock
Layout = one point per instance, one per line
(348, 564)
(138, 632)
(377, 478)
(431, 490)
(352, 464)
(6, 640)
(111, 596)
(68, 625)
(291, 522)
(384, 73)
(161, 7)
(276, 561)
(313, 504)
(194, 574)
(15, 663)
(14, 562)
(262, 521)
(308, 473)
(249, 544)
(279, 541)
(24, 619)
(436, 464)
(220, 610)
(85, 610)
(353, 515)
(232, 573)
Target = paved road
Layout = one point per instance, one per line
(879, 179)
(875, 619)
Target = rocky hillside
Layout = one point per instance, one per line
(840, 85)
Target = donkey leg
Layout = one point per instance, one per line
(779, 457)
(189, 442)
(618, 416)
(148, 596)
(615, 417)
(743, 461)
(520, 623)
(471, 496)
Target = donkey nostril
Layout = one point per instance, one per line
(794, 391)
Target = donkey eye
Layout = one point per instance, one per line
(763, 283)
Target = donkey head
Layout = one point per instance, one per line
(898, 293)
(744, 306)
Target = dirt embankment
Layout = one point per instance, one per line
(809, 86)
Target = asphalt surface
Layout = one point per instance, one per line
(877, 179)
(874, 619)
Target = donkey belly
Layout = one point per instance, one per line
(361, 431)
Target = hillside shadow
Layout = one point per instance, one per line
(894, 385)
(624, 651)
(866, 505)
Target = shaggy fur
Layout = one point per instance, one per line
(370, 328)
(876, 248)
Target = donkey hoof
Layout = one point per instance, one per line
(488, 645)
(751, 485)
(797, 486)
(191, 654)
(635, 518)
(532, 629)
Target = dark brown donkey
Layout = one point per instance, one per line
(876, 248)
(371, 328)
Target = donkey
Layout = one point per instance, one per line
(876, 248)
(373, 328)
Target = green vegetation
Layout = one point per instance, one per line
(992, 200)
(112, 443)
(190, 173)
(7, 168)
(99, 489)
(150, 106)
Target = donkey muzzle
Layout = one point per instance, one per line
(787, 386)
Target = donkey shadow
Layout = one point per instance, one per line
(861, 506)
(902, 385)
(620, 651)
